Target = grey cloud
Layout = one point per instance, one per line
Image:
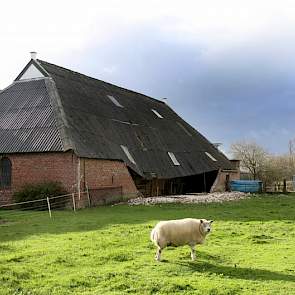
(243, 92)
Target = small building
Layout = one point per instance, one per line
(60, 125)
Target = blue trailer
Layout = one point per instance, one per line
(246, 186)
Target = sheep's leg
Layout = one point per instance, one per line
(193, 252)
(158, 254)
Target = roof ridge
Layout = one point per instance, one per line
(88, 77)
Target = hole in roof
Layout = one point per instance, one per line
(173, 159)
(114, 101)
(127, 153)
(210, 156)
(157, 114)
(183, 128)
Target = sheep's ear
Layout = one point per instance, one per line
(201, 220)
(211, 221)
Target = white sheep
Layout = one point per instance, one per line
(188, 231)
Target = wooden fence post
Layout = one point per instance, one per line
(74, 203)
(49, 209)
(285, 186)
(227, 183)
(88, 197)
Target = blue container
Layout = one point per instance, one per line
(246, 186)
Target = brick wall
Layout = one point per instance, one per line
(33, 168)
(104, 173)
(220, 182)
(5, 197)
(67, 168)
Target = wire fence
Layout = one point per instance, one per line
(71, 202)
(283, 186)
(42, 205)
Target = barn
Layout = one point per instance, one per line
(60, 125)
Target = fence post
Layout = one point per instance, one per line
(227, 186)
(88, 197)
(74, 204)
(285, 186)
(49, 209)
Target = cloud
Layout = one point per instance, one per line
(61, 28)
(235, 94)
(225, 66)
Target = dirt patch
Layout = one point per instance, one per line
(192, 198)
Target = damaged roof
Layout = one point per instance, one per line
(66, 110)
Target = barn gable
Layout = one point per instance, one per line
(32, 70)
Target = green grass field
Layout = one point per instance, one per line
(106, 250)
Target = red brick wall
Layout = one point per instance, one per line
(101, 173)
(220, 182)
(36, 168)
(5, 197)
(33, 168)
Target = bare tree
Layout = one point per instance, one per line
(292, 146)
(291, 153)
(252, 156)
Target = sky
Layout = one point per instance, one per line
(227, 67)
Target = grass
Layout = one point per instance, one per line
(106, 250)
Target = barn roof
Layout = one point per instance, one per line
(27, 121)
(66, 110)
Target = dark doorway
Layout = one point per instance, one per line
(199, 183)
(182, 185)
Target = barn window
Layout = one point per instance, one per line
(127, 153)
(114, 101)
(157, 114)
(210, 156)
(5, 173)
(173, 159)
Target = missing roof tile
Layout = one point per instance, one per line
(173, 159)
(210, 156)
(157, 114)
(115, 101)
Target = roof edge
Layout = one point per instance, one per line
(122, 88)
(60, 117)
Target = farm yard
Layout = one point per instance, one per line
(106, 250)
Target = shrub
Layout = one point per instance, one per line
(31, 192)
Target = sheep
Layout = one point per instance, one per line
(187, 231)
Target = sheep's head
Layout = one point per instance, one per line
(206, 225)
